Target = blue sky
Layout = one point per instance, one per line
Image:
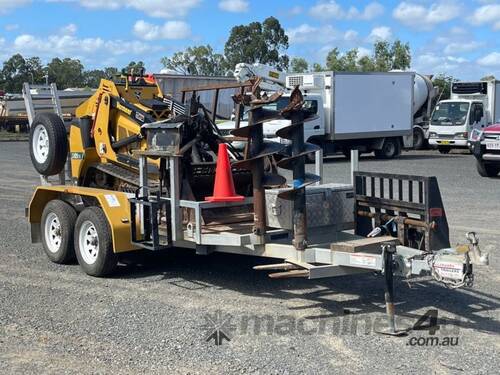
(460, 38)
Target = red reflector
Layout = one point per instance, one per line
(436, 212)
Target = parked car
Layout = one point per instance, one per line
(485, 145)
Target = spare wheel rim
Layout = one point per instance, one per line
(88, 241)
(53, 236)
(40, 144)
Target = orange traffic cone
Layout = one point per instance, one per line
(224, 185)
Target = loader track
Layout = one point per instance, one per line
(128, 180)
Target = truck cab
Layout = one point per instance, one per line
(453, 120)
(472, 105)
(313, 105)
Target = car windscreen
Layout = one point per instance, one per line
(450, 114)
(310, 105)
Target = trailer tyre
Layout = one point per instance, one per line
(486, 170)
(390, 149)
(93, 243)
(57, 228)
(48, 144)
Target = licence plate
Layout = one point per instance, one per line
(445, 142)
(493, 145)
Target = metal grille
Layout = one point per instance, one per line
(492, 136)
(295, 80)
(470, 88)
(176, 107)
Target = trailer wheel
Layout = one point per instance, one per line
(57, 227)
(93, 243)
(48, 144)
(390, 149)
(418, 139)
(486, 170)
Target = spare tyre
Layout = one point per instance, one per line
(48, 144)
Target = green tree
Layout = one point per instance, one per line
(385, 57)
(134, 65)
(400, 55)
(17, 70)
(444, 82)
(318, 68)
(198, 60)
(92, 78)
(299, 65)
(366, 64)
(66, 73)
(350, 60)
(382, 56)
(110, 71)
(334, 61)
(257, 42)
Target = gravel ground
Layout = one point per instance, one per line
(152, 316)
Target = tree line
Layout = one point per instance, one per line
(265, 43)
(65, 73)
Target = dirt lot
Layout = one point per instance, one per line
(154, 316)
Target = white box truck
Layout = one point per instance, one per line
(472, 105)
(364, 111)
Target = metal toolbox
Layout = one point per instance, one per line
(326, 205)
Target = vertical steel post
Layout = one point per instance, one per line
(318, 165)
(389, 287)
(214, 105)
(175, 209)
(354, 164)
(143, 188)
(239, 108)
(388, 252)
(299, 217)
(259, 199)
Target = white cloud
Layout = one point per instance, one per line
(331, 9)
(8, 5)
(431, 63)
(351, 35)
(491, 59)
(420, 17)
(380, 33)
(487, 14)
(153, 8)
(234, 6)
(306, 33)
(371, 11)
(459, 47)
(169, 30)
(69, 45)
(295, 11)
(69, 29)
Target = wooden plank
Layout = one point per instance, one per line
(366, 245)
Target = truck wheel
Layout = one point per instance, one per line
(486, 170)
(390, 149)
(93, 243)
(444, 150)
(48, 144)
(418, 139)
(57, 227)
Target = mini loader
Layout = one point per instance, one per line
(141, 169)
